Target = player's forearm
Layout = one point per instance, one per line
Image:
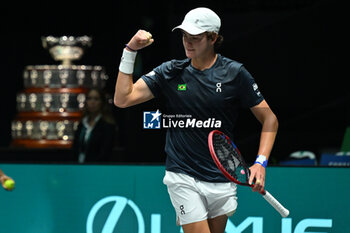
(123, 88)
(2, 177)
(268, 135)
(124, 83)
(267, 140)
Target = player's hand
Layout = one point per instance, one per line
(140, 40)
(3, 178)
(257, 177)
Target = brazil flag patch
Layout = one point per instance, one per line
(181, 87)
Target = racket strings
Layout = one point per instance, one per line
(230, 159)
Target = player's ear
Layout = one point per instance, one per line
(212, 36)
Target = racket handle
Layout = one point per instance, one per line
(278, 206)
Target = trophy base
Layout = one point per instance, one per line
(30, 143)
(73, 116)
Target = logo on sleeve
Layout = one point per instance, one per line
(152, 73)
(256, 89)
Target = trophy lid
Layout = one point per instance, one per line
(66, 48)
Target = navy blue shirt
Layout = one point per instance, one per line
(203, 100)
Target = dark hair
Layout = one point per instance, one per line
(219, 39)
(106, 109)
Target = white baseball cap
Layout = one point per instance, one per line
(200, 20)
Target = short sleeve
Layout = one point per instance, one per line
(153, 81)
(249, 93)
(158, 79)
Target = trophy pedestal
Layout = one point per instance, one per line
(31, 143)
(51, 105)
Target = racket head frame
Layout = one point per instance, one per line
(267, 196)
(217, 161)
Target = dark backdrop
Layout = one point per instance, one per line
(294, 49)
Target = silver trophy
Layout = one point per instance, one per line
(47, 77)
(51, 107)
(33, 77)
(64, 74)
(60, 126)
(66, 48)
(47, 101)
(81, 100)
(29, 128)
(21, 101)
(80, 77)
(43, 125)
(17, 128)
(64, 98)
(33, 101)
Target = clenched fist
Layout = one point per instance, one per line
(140, 40)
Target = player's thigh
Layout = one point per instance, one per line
(217, 224)
(213, 225)
(197, 227)
(188, 203)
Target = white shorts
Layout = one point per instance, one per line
(196, 200)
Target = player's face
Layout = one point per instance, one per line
(196, 45)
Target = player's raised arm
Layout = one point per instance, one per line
(128, 93)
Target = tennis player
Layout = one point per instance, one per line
(205, 86)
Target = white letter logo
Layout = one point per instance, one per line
(218, 87)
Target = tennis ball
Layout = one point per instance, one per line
(9, 184)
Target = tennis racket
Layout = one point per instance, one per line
(231, 163)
